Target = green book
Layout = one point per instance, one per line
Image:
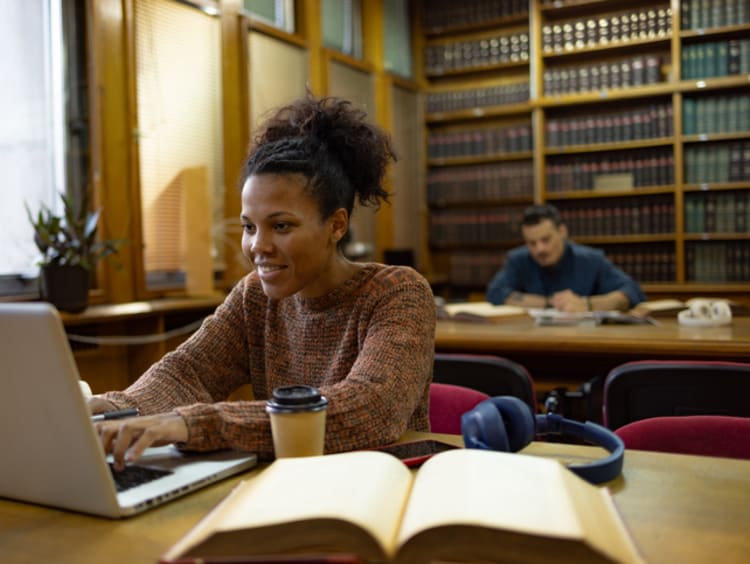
(690, 106)
(689, 56)
(690, 220)
(722, 163)
(701, 165)
(710, 221)
(742, 115)
(705, 15)
(722, 59)
(685, 16)
(709, 66)
(695, 14)
(702, 115)
(699, 220)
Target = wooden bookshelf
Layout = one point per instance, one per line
(642, 130)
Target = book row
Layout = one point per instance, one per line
(611, 74)
(475, 225)
(447, 101)
(700, 14)
(646, 263)
(719, 162)
(715, 261)
(620, 27)
(722, 212)
(619, 216)
(716, 114)
(474, 268)
(642, 122)
(716, 58)
(632, 169)
(449, 13)
(480, 183)
(475, 142)
(476, 53)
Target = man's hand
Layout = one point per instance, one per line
(568, 301)
(126, 439)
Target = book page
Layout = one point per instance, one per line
(512, 492)
(662, 305)
(366, 488)
(479, 487)
(484, 309)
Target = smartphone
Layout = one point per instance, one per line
(414, 453)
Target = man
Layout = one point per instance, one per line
(550, 271)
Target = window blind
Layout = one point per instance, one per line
(178, 82)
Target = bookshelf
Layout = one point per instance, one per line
(632, 117)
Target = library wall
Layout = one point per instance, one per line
(632, 117)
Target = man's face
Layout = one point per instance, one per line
(545, 241)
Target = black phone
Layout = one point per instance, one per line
(414, 453)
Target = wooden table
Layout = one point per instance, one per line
(678, 508)
(669, 339)
(567, 356)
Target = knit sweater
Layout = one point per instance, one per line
(368, 346)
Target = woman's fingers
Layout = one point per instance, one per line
(126, 439)
(99, 405)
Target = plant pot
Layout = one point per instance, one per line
(65, 287)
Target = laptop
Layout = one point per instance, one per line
(51, 451)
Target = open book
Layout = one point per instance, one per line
(461, 505)
(478, 311)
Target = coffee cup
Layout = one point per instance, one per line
(298, 421)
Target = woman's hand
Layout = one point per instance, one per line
(99, 405)
(126, 439)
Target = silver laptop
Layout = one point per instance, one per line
(51, 454)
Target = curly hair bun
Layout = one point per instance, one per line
(331, 142)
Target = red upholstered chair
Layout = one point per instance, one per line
(708, 435)
(493, 375)
(448, 403)
(653, 388)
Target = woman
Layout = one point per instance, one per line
(362, 333)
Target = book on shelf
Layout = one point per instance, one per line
(461, 505)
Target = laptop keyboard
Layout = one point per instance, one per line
(133, 476)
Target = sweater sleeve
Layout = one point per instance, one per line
(206, 368)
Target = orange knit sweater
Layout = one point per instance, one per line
(368, 346)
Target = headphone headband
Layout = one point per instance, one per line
(506, 423)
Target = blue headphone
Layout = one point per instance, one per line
(506, 423)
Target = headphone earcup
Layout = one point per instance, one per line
(503, 423)
(483, 428)
(519, 422)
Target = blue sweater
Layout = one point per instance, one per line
(584, 270)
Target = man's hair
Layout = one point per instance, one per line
(534, 215)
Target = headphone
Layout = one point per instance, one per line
(506, 423)
(705, 313)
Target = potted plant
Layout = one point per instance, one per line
(69, 251)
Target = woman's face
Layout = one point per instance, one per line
(291, 248)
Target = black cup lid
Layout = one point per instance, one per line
(296, 395)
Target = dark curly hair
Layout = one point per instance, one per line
(330, 143)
